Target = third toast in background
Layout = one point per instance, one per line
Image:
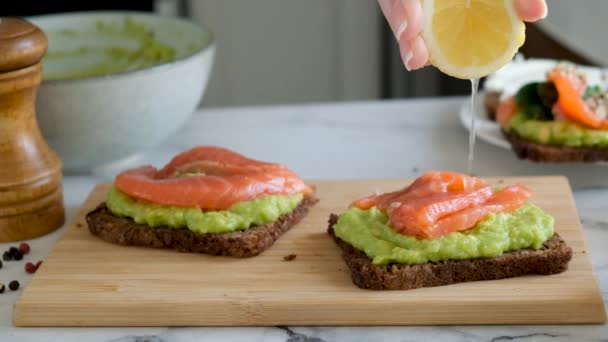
(561, 119)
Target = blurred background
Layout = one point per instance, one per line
(286, 51)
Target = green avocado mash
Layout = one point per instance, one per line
(239, 217)
(368, 231)
(559, 133)
(108, 49)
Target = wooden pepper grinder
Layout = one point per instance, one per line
(31, 198)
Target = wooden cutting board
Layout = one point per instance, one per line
(88, 282)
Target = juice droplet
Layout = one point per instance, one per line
(474, 86)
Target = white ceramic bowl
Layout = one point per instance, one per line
(99, 121)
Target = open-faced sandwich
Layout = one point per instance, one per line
(447, 228)
(206, 200)
(513, 76)
(563, 119)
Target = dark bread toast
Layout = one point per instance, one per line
(552, 258)
(525, 149)
(247, 243)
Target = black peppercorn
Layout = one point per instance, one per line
(17, 256)
(7, 256)
(13, 250)
(13, 285)
(0, 264)
(2, 288)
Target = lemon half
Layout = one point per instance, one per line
(471, 39)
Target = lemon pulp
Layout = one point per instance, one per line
(471, 39)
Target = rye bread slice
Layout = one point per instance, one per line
(247, 243)
(525, 149)
(552, 258)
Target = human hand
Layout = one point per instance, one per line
(406, 21)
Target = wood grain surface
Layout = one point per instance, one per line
(31, 198)
(88, 282)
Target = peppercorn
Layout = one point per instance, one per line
(7, 256)
(17, 256)
(24, 248)
(1, 264)
(30, 268)
(13, 285)
(13, 251)
(2, 288)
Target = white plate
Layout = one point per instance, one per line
(485, 129)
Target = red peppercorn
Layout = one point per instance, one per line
(24, 248)
(30, 268)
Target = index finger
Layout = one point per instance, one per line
(403, 16)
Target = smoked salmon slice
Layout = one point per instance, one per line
(506, 111)
(503, 201)
(427, 210)
(210, 178)
(429, 183)
(212, 159)
(570, 101)
(439, 203)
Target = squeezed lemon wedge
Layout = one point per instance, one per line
(471, 39)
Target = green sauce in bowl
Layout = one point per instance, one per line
(107, 48)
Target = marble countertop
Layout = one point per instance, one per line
(348, 140)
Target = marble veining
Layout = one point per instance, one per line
(293, 336)
(528, 336)
(323, 335)
(149, 338)
(395, 139)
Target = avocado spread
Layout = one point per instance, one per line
(238, 217)
(560, 133)
(107, 49)
(368, 231)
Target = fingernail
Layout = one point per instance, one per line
(545, 10)
(408, 58)
(401, 29)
